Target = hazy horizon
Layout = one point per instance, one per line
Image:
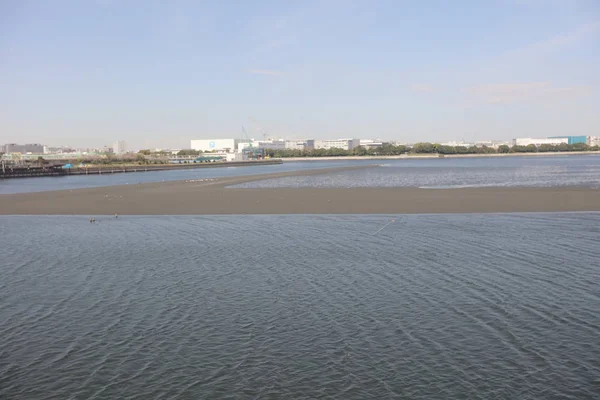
(158, 74)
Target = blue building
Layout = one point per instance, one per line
(572, 139)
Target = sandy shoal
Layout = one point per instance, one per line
(214, 197)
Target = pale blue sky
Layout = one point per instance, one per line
(159, 73)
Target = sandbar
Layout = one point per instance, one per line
(215, 197)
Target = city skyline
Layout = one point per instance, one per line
(157, 75)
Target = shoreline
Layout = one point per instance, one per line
(51, 171)
(437, 156)
(194, 197)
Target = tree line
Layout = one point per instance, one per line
(427, 148)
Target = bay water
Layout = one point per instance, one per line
(498, 306)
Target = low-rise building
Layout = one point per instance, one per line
(300, 144)
(594, 140)
(455, 144)
(226, 145)
(33, 148)
(371, 143)
(236, 157)
(344, 144)
(539, 142)
(272, 144)
(572, 139)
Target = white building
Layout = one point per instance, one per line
(370, 143)
(226, 145)
(236, 157)
(458, 144)
(538, 142)
(302, 144)
(272, 144)
(594, 140)
(119, 147)
(345, 144)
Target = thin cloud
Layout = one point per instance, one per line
(506, 93)
(265, 72)
(558, 42)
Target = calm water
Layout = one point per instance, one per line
(288, 307)
(533, 171)
(84, 181)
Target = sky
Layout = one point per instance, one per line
(159, 73)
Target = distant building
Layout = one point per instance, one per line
(301, 144)
(278, 144)
(370, 143)
(538, 142)
(494, 144)
(594, 140)
(572, 139)
(226, 145)
(119, 147)
(455, 144)
(236, 157)
(34, 148)
(344, 144)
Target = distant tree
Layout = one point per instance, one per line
(579, 147)
(423, 148)
(359, 151)
(503, 148)
(401, 149)
(145, 152)
(562, 147)
(547, 148)
(518, 149)
(441, 149)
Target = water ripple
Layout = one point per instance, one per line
(431, 306)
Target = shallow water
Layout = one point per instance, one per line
(282, 307)
(535, 171)
(26, 185)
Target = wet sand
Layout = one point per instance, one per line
(214, 197)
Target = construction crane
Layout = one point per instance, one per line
(251, 151)
(261, 130)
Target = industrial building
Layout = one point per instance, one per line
(226, 145)
(34, 148)
(272, 144)
(344, 144)
(538, 142)
(572, 139)
(303, 144)
(458, 144)
(370, 143)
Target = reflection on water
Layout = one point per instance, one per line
(429, 306)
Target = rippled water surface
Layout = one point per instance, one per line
(288, 307)
(533, 171)
(25, 185)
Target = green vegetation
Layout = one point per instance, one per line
(385, 150)
(427, 148)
